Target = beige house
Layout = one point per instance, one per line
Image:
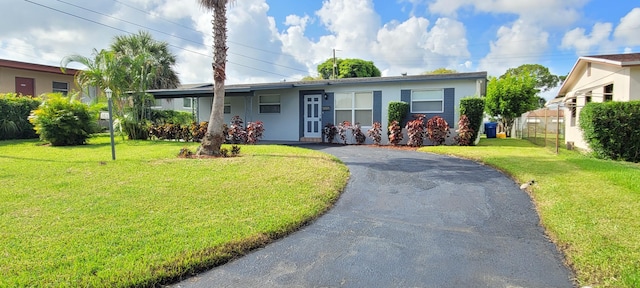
(597, 78)
(35, 79)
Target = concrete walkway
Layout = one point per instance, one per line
(408, 219)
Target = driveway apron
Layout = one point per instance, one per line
(408, 219)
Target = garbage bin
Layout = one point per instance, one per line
(490, 129)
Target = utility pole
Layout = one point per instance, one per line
(335, 65)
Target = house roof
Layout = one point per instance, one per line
(620, 60)
(205, 90)
(36, 67)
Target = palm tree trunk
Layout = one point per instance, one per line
(214, 137)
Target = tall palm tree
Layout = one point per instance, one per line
(214, 137)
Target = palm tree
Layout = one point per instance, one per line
(134, 64)
(159, 59)
(101, 72)
(214, 137)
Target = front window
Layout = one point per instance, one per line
(187, 102)
(227, 106)
(355, 107)
(427, 101)
(60, 87)
(608, 93)
(269, 103)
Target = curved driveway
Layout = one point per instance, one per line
(408, 219)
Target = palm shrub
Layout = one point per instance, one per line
(14, 116)
(63, 121)
(437, 130)
(416, 130)
(395, 133)
(473, 108)
(611, 129)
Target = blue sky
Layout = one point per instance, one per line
(280, 40)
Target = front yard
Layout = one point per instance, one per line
(69, 216)
(590, 208)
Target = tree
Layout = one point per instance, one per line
(545, 81)
(103, 70)
(157, 56)
(441, 70)
(510, 96)
(214, 137)
(134, 64)
(348, 68)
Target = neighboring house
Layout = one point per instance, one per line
(34, 79)
(597, 78)
(297, 111)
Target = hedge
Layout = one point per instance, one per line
(397, 111)
(14, 116)
(473, 107)
(612, 129)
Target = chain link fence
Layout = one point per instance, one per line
(543, 127)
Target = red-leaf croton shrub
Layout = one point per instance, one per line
(438, 130)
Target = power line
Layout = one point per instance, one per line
(125, 31)
(174, 36)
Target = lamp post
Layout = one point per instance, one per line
(113, 147)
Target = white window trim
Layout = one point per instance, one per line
(418, 111)
(260, 104)
(353, 109)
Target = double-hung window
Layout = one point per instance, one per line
(427, 101)
(355, 107)
(61, 87)
(269, 103)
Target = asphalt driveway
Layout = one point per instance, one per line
(408, 219)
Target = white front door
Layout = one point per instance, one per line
(312, 119)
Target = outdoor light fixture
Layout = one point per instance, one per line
(326, 96)
(113, 147)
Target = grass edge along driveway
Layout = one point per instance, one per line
(589, 207)
(71, 217)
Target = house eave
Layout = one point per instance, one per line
(243, 89)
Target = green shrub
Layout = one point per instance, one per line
(612, 129)
(397, 111)
(63, 121)
(14, 116)
(473, 107)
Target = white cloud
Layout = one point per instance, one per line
(516, 45)
(542, 12)
(584, 44)
(627, 31)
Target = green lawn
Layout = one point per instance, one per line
(69, 216)
(589, 207)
